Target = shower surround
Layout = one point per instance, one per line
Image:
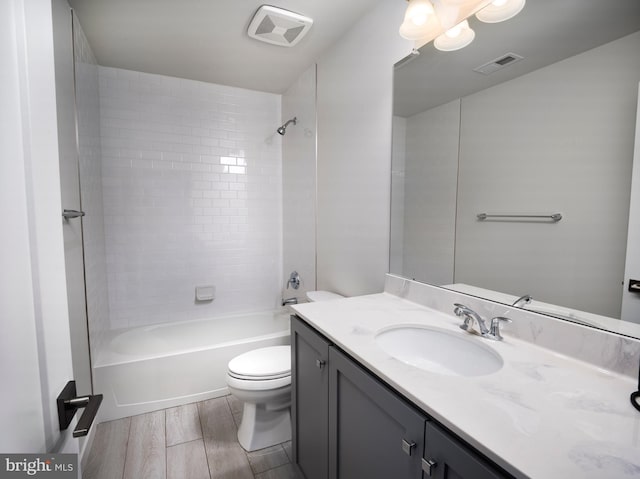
(192, 187)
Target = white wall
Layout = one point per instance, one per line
(192, 196)
(430, 194)
(355, 83)
(299, 183)
(21, 410)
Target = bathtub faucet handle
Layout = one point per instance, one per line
(294, 280)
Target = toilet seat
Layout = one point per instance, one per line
(258, 384)
(262, 364)
(261, 369)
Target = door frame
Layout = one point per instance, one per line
(35, 314)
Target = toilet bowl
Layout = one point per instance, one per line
(261, 379)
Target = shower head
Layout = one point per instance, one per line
(283, 129)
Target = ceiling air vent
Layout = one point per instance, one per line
(498, 64)
(278, 27)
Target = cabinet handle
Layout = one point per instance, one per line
(428, 466)
(408, 447)
(320, 363)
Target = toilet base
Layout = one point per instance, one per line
(262, 428)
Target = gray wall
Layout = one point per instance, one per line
(430, 193)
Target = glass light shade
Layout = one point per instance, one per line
(500, 10)
(419, 20)
(455, 38)
(458, 2)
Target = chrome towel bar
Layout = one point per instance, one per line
(555, 217)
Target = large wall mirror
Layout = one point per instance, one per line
(552, 132)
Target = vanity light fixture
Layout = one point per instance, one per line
(455, 38)
(426, 20)
(420, 20)
(500, 10)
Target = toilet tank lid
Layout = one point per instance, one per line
(323, 295)
(271, 361)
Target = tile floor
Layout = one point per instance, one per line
(195, 441)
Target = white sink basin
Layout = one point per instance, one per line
(439, 351)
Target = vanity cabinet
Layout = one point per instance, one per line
(448, 458)
(348, 424)
(372, 432)
(309, 400)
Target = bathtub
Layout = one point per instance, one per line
(154, 367)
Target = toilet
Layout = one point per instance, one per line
(261, 379)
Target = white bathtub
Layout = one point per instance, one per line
(154, 367)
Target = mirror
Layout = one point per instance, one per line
(551, 131)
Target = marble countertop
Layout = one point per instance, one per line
(542, 415)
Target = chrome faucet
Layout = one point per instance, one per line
(494, 333)
(522, 300)
(470, 316)
(287, 301)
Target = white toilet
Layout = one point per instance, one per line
(261, 379)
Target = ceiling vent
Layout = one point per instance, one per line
(498, 64)
(278, 27)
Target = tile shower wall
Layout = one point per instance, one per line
(192, 196)
(90, 169)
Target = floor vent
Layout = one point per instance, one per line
(278, 26)
(498, 64)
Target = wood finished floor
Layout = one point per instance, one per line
(195, 441)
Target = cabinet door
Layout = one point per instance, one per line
(372, 432)
(447, 458)
(309, 401)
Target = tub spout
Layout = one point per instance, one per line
(287, 301)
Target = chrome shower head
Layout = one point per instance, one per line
(283, 129)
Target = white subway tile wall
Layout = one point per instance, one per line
(90, 168)
(192, 182)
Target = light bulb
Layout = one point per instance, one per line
(457, 30)
(420, 20)
(418, 11)
(500, 10)
(455, 38)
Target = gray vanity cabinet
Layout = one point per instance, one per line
(373, 433)
(446, 458)
(347, 424)
(309, 400)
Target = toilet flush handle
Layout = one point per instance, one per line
(320, 363)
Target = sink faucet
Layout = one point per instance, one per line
(287, 301)
(470, 316)
(522, 300)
